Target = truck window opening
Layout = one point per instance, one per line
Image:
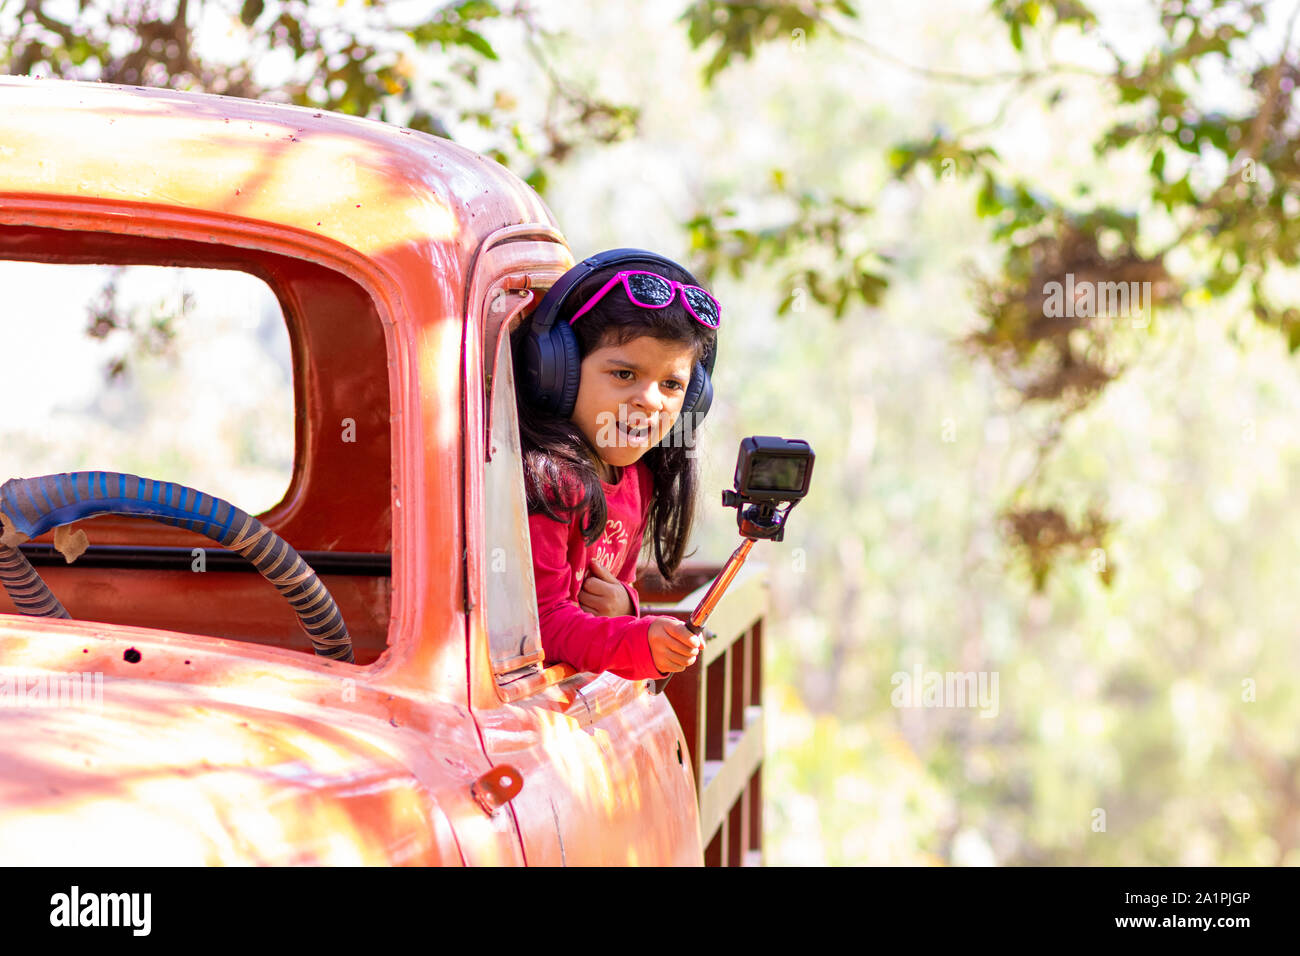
(257, 378)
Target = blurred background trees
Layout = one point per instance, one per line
(1089, 501)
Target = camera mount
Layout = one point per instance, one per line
(772, 476)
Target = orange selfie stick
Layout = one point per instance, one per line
(770, 471)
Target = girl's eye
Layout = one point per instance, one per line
(627, 375)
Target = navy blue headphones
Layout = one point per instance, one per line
(548, 364)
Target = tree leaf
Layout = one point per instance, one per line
(251, 10)
(477, 42)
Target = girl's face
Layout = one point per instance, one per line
(630, 395)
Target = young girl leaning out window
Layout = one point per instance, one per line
(607, 480)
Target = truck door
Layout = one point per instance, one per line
(605, 775)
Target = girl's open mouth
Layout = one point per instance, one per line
(635, 436)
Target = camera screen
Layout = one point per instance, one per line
(777, 473)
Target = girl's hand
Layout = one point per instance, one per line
(673, 646)
(604, 594)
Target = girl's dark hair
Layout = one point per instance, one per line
(556, 452)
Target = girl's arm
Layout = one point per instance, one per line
(636, 598)
(627, 576)
(620, 645)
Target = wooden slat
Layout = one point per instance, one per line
(713, 852)
(745, 602)
(736, 832)
(686, 694)
(722, 781)
(718, 704)
(741, 830)
(739, 683)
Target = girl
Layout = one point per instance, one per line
(614, 356)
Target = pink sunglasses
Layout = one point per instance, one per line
(652, 291)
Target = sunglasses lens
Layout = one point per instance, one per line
(648, 289)
(704, 304)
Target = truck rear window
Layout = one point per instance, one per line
(182, 374)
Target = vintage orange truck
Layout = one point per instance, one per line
(377, 694)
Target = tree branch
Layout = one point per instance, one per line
(1252, 146)
(974, 79)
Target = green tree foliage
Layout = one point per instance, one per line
(357, 59)
(1222, 185)
(374, 61)
(735, 28)
(814, 221)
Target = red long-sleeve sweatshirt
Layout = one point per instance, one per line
(620, 645)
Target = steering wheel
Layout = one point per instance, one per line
(32, 506)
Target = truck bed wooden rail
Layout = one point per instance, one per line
(719, 703)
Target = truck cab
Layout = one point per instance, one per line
(207, 728)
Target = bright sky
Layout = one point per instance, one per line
(180, 420)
